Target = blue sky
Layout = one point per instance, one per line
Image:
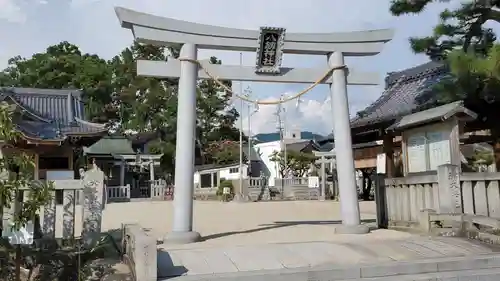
(29, 26)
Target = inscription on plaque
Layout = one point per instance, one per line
(270, 50)
(455, 189)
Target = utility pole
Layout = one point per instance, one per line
(247, 93)
(249, 143)
(282, 128)
(285, 156)
(282, 144)
(241, 132)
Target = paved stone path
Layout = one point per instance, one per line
(239, 223)
(230, 259)
(251, 238)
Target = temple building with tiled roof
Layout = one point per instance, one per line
(51, 115)
(53, 126)
(403, 89)
(402, 96)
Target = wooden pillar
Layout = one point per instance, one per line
(388, 148)
(390, 172)
(70, 159)
(36, 174)
(152, 171)
(122, 173)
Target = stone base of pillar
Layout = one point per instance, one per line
(241, 198)
(352, 229)
(178, 238)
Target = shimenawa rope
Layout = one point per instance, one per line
(271, 102)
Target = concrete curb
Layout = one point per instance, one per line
(401, 270)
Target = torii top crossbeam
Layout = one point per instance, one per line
(160, 30)
(157, 30)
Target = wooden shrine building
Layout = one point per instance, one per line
(397, 132)
(400, 97)
(123, 163)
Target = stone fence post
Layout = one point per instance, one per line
(448, 197)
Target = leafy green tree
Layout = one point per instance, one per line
(145, 104)
(148, 104)
(461, 26)
(296, 163)
(468, 49)
(17, 173)
(475, 80)
(131, 103)
(216, 116)
(481, 160)
(223, 152)
(16, 177)
(64, 66)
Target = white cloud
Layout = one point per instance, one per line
(12, 12)
(308, 115)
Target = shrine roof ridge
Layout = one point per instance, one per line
(54, 114)
(403, 91)
(439, 113)
(153, 29)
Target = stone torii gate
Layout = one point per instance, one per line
(270, 43)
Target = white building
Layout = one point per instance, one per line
(266, 150)
(209, 176)
(292, 141)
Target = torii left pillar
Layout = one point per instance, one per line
(182, 227)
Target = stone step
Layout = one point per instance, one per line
(482, 267)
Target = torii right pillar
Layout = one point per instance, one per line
(349, 205)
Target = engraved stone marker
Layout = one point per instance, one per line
(93, 191)
(448, 191)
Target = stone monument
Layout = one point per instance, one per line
(93, 204)
(269, 43)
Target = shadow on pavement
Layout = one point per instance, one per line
(279, 224)
(166, 266)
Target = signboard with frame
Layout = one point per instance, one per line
(270, 50)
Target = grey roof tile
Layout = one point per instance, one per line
(205, 167)
(432, 115)
(403, 88)
(300, 145)
(111, 145)
(58, 118)
(48, 103)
